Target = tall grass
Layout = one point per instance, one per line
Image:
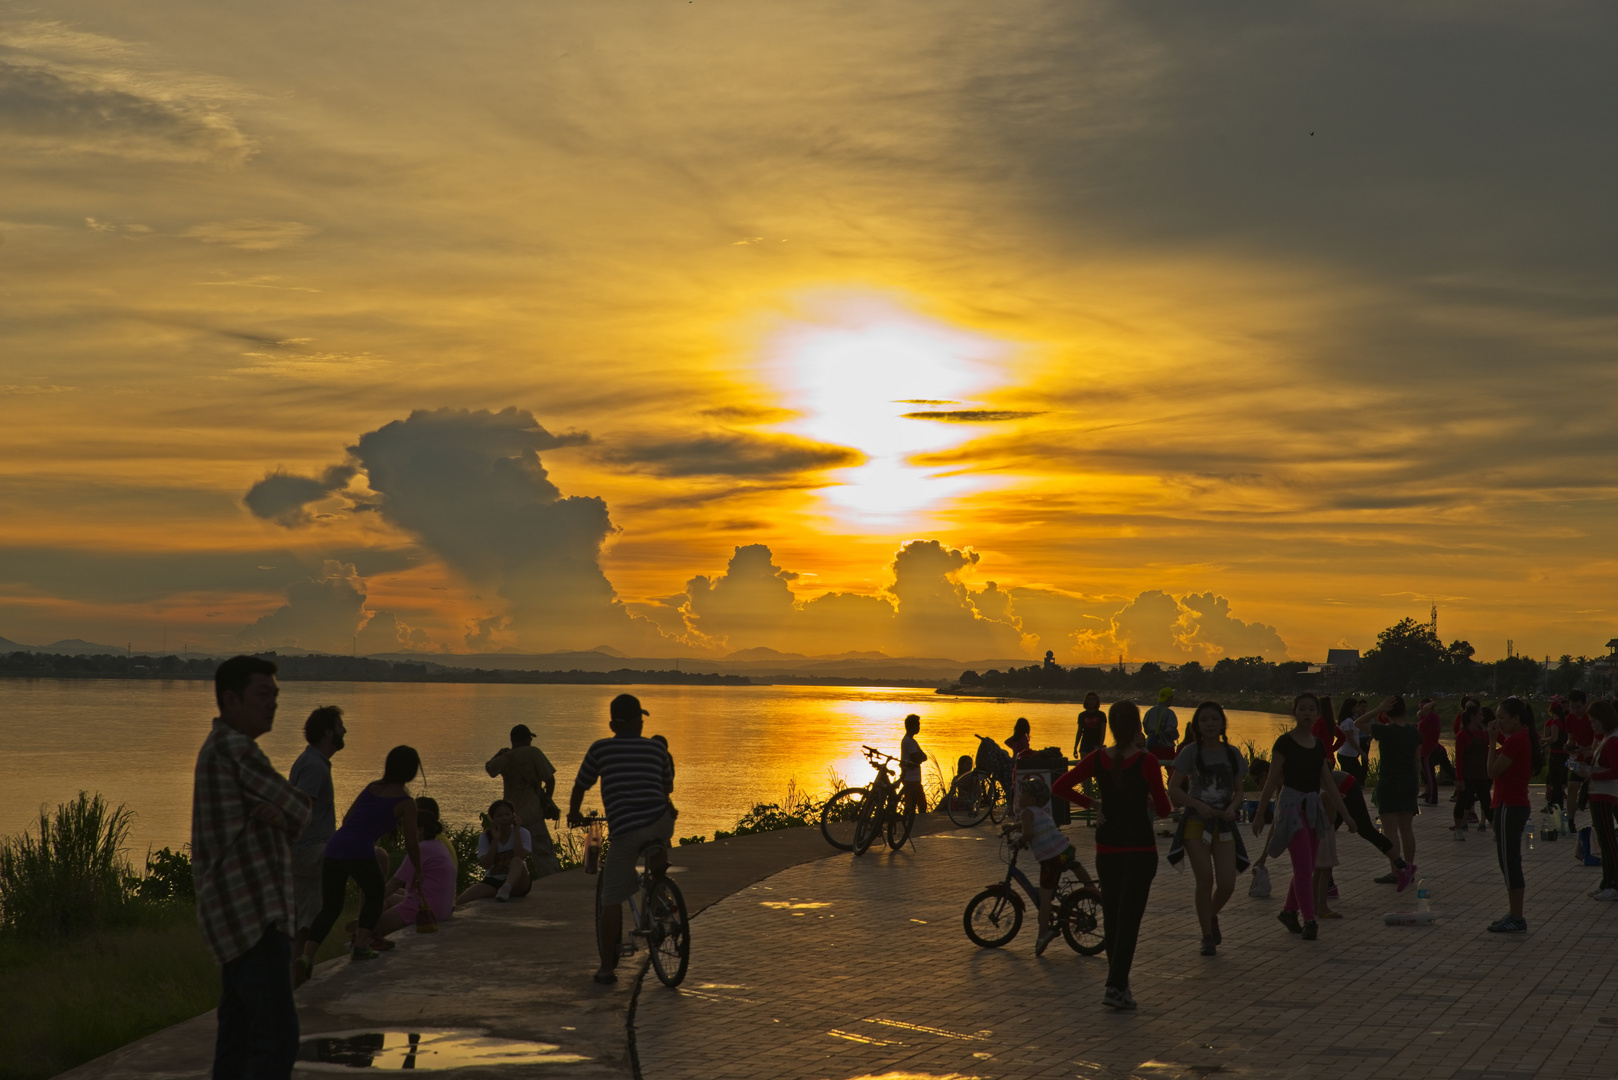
(70, 878)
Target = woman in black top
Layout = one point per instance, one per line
(1300, 769)
(1092, 732)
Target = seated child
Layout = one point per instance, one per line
(1039, 834)
(438, 873)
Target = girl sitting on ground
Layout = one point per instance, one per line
(435, 886)
(503, 849)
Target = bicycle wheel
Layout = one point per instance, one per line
(839, 815)
(868, 826)
(1080, 919)
(669, 934)
(968, 800)
(993, 917)
(900, 821)
(998, 802)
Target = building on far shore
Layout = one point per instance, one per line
(1338, 670)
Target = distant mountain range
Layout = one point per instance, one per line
(69, 647)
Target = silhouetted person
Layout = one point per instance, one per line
(529, 783)
(324, 731)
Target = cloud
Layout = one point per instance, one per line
(327, 613)
(1157, 626)
(69, 93)
(251, 234)
(731, 454)
(973, 416)
(284, 497)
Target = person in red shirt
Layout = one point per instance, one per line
(1580, 740)
(1601, 780)
(1130, 782)
(1472, 783)
(1510, 764)
(1429, 725)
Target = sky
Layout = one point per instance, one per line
(936, 329)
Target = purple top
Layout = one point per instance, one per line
(367, 821)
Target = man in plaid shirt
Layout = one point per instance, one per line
(244, 816)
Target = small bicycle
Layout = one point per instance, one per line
(983, 791)
(853, 818)
(658, 911)
(994, 916)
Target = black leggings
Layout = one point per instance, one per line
(1126, 881)
(1602, 814)
(334, 875)
(1355, 801)
(1475, 791)
(1555, 779)
(1509, 822)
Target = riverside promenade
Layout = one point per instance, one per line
(811, 965)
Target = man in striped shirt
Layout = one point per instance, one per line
(244, 816)
(636, 777)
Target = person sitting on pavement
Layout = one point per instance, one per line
(528, 780)
(435, 885)
(503, 849)
(637, 779)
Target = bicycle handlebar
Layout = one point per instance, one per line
(871, 751)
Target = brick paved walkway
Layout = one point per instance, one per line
(845, 968)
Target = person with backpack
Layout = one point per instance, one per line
(1206, 780)
(1162, 727)
(1515, 755)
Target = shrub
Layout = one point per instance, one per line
(168, 878)
(73, 877)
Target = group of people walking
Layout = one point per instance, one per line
(271, 864)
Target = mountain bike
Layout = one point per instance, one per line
(658, 915)
(994, 916)
(978, 794)
(853, 818)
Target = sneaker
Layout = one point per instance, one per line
(1606, 894)
(1458, 833)
(1043, 940)
(1114, 998)
(1218, 938)
(364, 952)
(503, 894)
(1592, 893)
(1387, 879)
(1311, 930)
(1289, 919)
(1208, 948)
(1511, 924)
(1406, 876)
(1129, 997)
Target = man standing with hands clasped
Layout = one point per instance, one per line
(529, 780)
(244, 816)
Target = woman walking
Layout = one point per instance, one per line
(1601, 776)
(1514, 756)
(1130, 782)
(1206, 780)
(380, 807)
(1298, 767)
(1399, 744)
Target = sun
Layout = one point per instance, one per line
(858, 373)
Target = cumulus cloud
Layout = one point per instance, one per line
(66, 92)
(251, 234)
(731, 454)
(328, 614)
(1158, 626)
(284, 497)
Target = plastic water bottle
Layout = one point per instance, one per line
(1424, 897)
(1547, 826)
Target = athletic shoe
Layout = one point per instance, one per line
(1311, 930)
(1208, 948)
(503, 893)
(1511, 924)
(1043, 940)
(1114, 998)
(365, 952)
(1606, 894)
(1405, 877)
(1458, 833)
(1129, 996)
(1218, 938)
(1289, 919)
(1592, 893)
(1387, 879)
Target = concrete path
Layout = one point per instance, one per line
(518, 971)
(838, 968)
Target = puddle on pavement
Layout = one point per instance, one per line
(425, 1050)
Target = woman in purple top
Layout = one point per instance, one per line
(381, 807)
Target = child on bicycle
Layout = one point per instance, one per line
(910, 759)
(1039, 834)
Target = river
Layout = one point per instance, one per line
(135, 742)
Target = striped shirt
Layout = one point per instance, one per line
(636, 776)
(242, 868)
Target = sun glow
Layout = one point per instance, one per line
(854, 373)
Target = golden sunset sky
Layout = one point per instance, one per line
(1198, 331)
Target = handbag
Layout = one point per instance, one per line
(1261, 881)
(426, 921)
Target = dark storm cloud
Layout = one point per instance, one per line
(284, 497)
(730, 454)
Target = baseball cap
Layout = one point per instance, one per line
(521, 732)
(1165, 693)
(626, 707)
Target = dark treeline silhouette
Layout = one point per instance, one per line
(328, 668)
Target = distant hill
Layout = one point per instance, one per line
(65, 647)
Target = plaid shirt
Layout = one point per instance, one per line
(242, 867)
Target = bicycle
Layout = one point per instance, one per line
(853, 818)
(659, 918)
(978, 794)
(994, 916)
